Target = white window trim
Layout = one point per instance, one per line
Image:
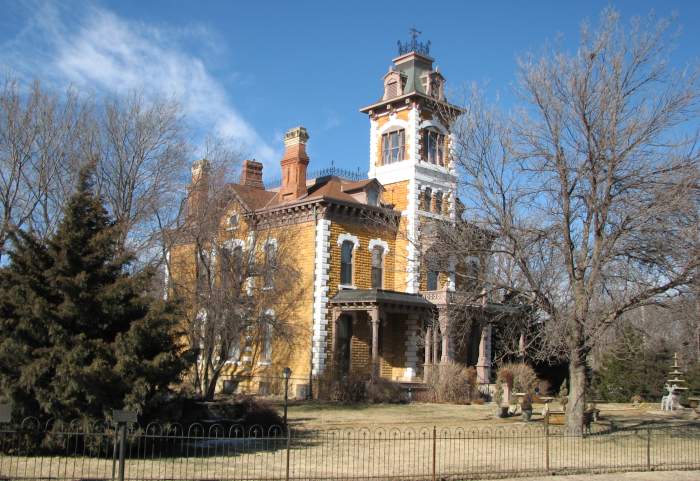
(349, 237)
(381, 243)
(233, 243)
(356, 244)
(392, 125)
(385, 248)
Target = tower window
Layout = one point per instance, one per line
(377, 268)
(438, 202)
(393, 146)
(346, 262)
(434, 146)
(427, 199)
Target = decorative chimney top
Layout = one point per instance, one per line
(297, 135)
(413, 45)
(251, 174)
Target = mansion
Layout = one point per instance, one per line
(370, 301)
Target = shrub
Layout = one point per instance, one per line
(384, 391)
(450, 383)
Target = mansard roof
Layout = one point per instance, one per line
(328, 187)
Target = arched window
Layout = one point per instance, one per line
(438, 202)
(433, 146)
(427, 199)
(393, 146)
(432, 279)
(270, 265)
(377, 267)
(346, 249)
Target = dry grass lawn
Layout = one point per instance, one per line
(396, 442)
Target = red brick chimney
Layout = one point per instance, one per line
(251, 174)
(294, 164)
(198, 194)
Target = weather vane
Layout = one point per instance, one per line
(413, 45)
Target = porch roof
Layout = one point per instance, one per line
(380, 297)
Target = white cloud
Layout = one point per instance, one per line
(103, 52)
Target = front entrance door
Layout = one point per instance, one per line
(344, 339)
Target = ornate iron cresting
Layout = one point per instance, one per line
(323, 172)
(414, 45)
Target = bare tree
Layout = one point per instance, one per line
(591, 189)
(142, 154)
(239, 283)
(139, 149)
(17, 135)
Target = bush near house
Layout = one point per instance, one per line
(450, 383)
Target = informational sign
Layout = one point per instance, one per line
(123, 416)
(5, 413)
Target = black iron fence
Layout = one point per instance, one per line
(206, 452)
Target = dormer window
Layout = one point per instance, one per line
(433, 146)
(393, 84)
(393, 146)
(372, 197)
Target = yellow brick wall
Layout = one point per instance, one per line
(362, 258)
(295, 246)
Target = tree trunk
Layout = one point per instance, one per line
(577, 386)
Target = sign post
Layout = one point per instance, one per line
(121, 418)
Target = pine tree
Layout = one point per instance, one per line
(79, 335)
(632, 368)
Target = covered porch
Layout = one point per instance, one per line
(376, 333)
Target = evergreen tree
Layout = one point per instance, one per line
(632, 368)
(79, 335)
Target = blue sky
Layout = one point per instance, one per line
(251, 70)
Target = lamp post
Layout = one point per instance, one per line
(286, 374)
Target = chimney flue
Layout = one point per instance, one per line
(294, 164)
(251, 174)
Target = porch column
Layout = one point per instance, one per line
(374, 321)
(521, 345)
(483, 365)
(336, 313)
(444, 321)
(428, 344)
(436, 345)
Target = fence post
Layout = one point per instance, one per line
(546, 442)
(648, 449)
(434, 451)
(289, 436)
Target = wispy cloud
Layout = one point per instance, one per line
(105, 53)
